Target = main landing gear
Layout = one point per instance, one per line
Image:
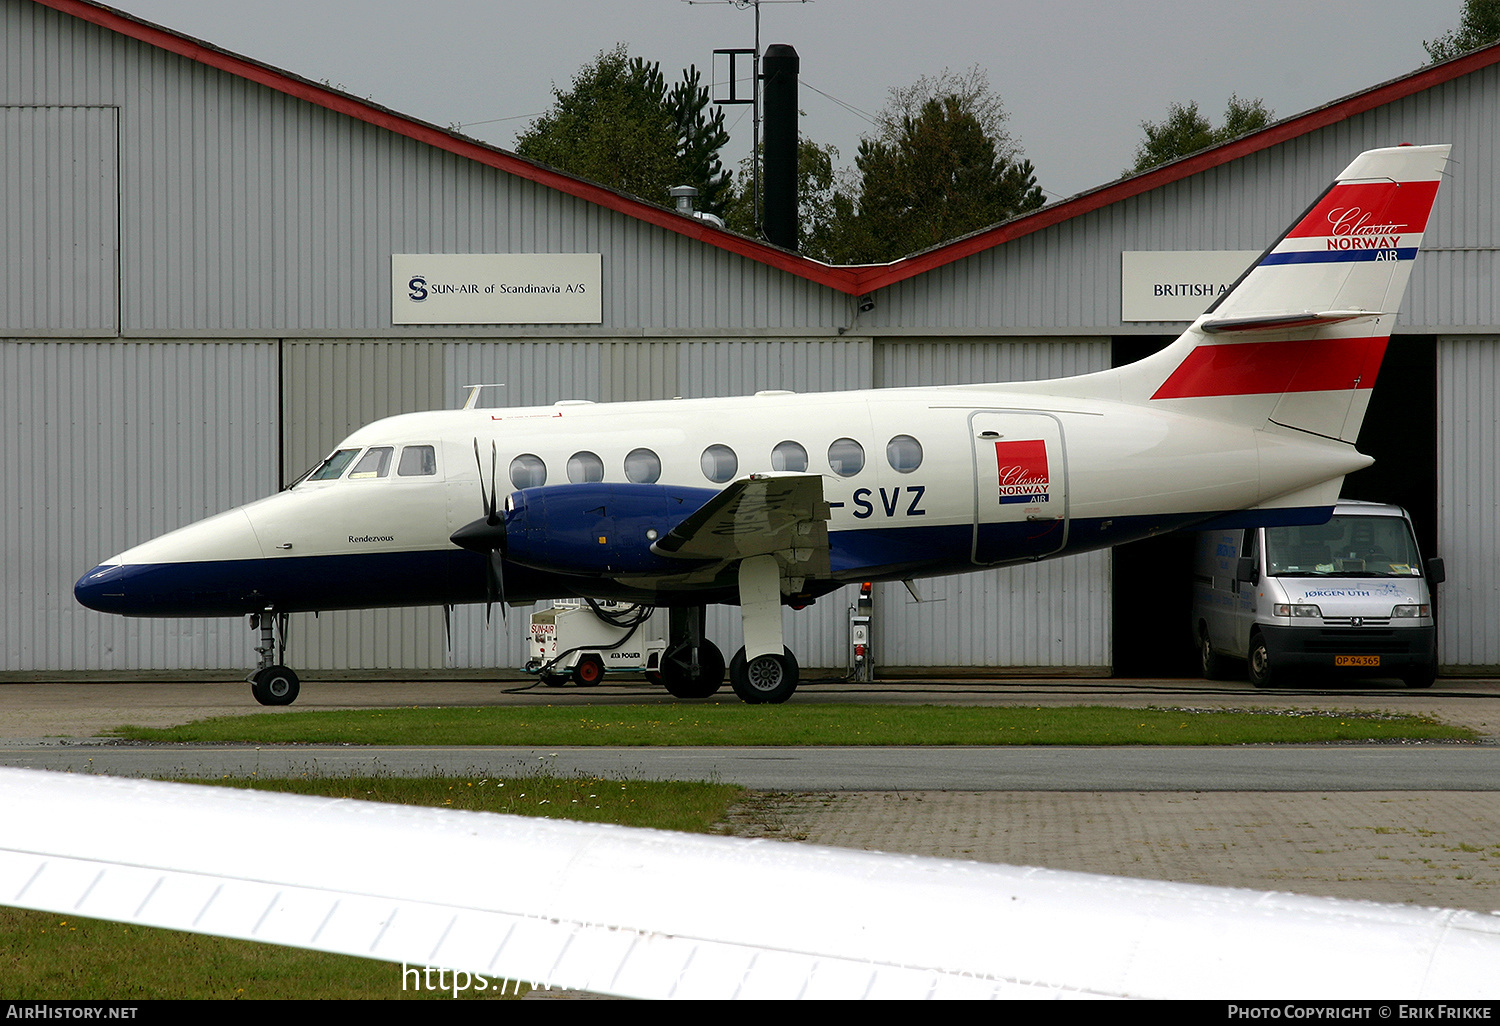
(764, 671)
(272, 683)
(692, 666)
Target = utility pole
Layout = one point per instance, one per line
(754, 98)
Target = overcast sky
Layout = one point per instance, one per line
(1077, 76)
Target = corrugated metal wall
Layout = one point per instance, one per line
(1469, 501)
(59, 220)
(108, 444)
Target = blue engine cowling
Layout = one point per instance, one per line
(597, 528)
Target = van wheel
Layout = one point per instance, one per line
(1422, 678)
(1210, 663)
(1262, 675)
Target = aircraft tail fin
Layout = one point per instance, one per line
(1298, 340)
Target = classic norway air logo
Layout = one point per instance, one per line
(1354, 228)
(1022, 471)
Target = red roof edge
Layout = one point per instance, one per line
(127, 25)
(854, 280)
(1298, 125)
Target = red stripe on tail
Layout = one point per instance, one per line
(1369, 208)
(1260, 368)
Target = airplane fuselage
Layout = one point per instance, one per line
(918, 482)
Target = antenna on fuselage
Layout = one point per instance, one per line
(474, 390)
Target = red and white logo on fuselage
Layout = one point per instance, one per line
(1021, 468)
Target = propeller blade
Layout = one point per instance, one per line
(486, 536)
(497, 582)
(494, 508)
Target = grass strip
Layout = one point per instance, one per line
(735, 723)
(46, 956)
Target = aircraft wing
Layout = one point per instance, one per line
(651, 914)
(781, 514)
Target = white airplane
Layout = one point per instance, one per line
(1248, 419)
(467, 900)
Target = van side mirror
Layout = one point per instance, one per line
(1435, 572)
(1246, 570)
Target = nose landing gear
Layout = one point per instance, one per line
(272, 683)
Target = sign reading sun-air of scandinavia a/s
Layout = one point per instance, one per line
(497, 288)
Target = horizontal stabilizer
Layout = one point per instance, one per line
(1281, 321)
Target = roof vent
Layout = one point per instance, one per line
(682, 198)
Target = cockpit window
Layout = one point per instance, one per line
(334, 465)
(417, 461)
(376, 462)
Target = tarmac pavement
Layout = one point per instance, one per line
(1439, 847)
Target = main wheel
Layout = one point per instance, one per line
(768, 678)
(275, 685)
(1262, 673)
(588, 672)
(678, 678)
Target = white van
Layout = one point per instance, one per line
(1349, 596)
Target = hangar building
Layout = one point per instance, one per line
(201, 295)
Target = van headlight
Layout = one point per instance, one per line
(1283, 609)
(1402, 611)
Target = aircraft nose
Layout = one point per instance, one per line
(104, 588)
(210, 568)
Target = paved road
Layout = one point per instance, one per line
(1240, 768)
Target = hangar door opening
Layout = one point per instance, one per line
(1153, 578)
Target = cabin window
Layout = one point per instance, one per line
(417, 461)
(585, 466)
(719, 463)
(642, 466)
(528, 471)
(334, 465)
(904, 453)
(376, 462)
(789, 456)
(846, 457)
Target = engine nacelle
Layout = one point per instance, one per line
(597, 528)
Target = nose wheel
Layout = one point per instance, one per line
(272, 683)
(275, 685)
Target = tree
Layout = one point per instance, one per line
(1479, 25)
(816, 187)
(939, 166)
(620, 126)
(1186, 131)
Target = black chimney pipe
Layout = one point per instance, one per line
(779, 72)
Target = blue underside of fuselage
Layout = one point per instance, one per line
(450, 577)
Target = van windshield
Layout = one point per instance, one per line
(1346, 546)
